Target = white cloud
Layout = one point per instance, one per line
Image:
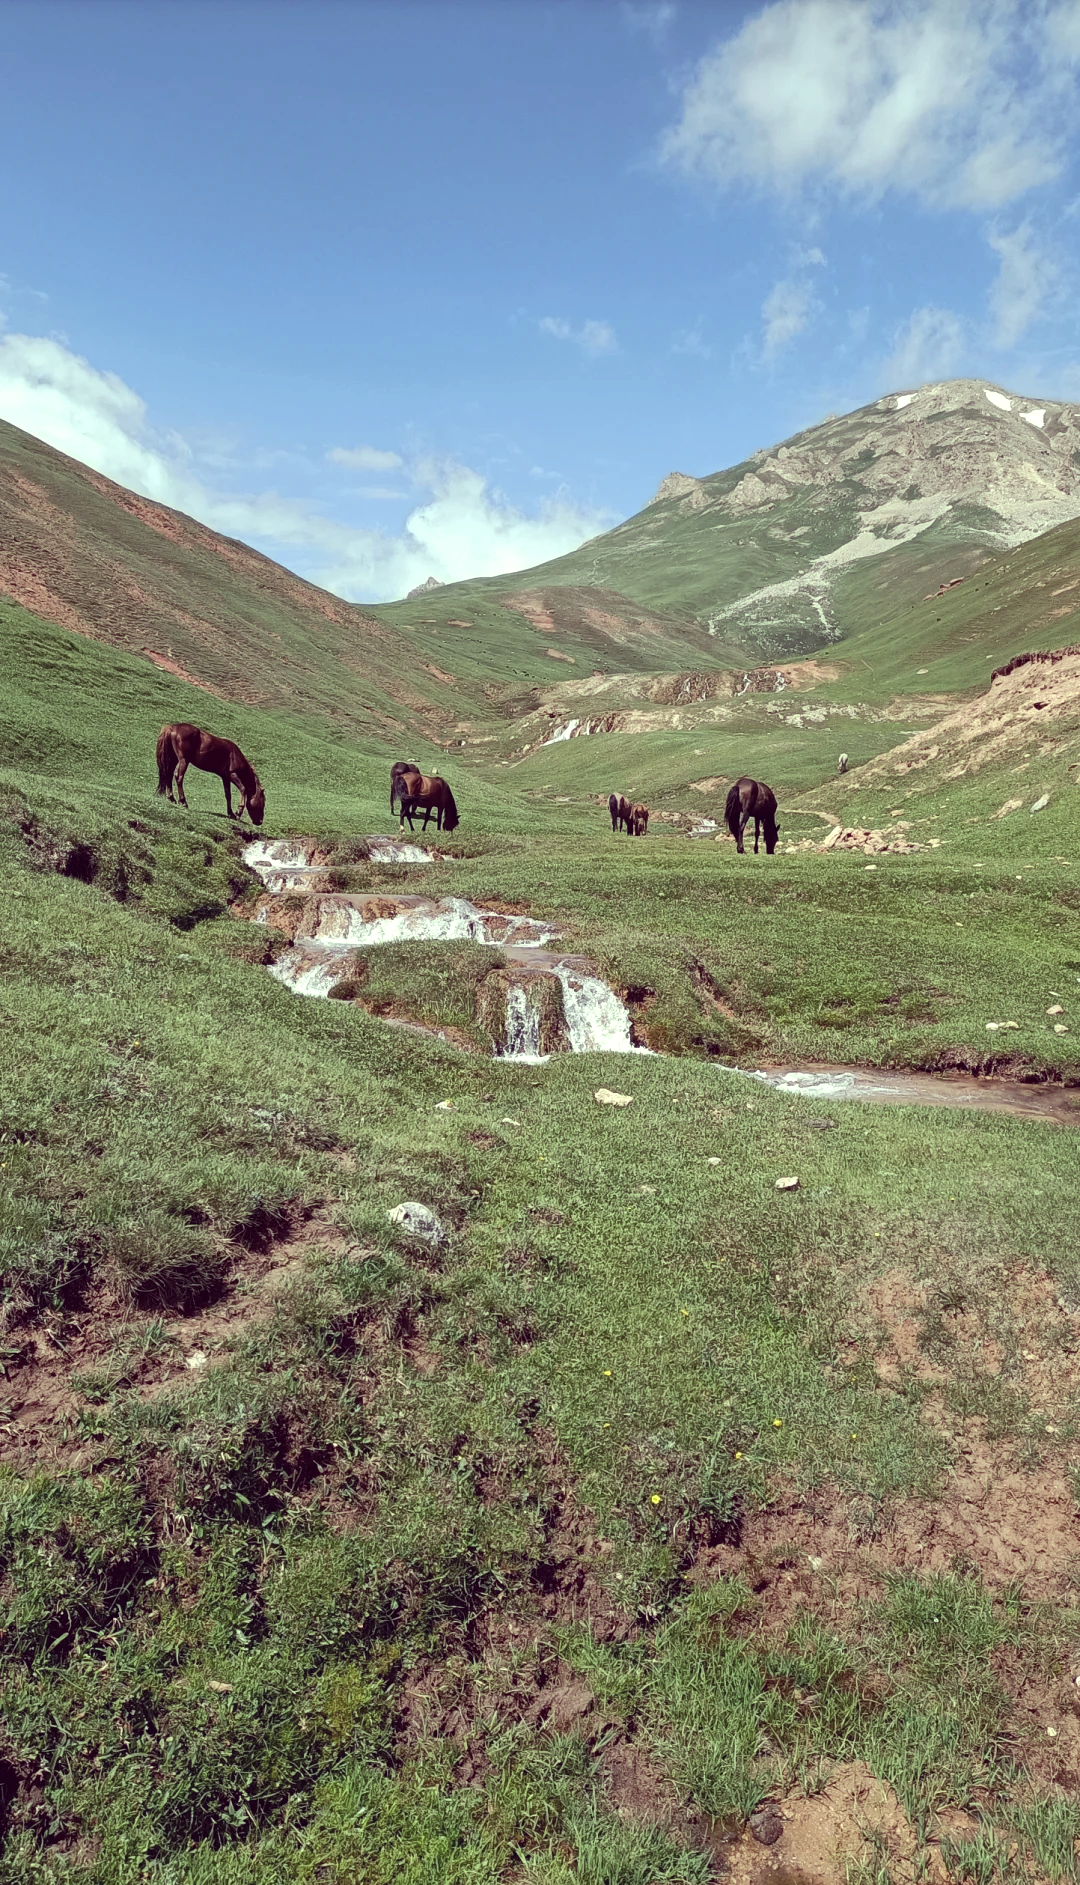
(460, 527)
(364, 458)
(464, 528)
(958, 102)
(929, 346)
(786, 311)
(1027, 275)
(593, 337)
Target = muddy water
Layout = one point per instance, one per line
(886, 1088)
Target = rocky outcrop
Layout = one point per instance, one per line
(680, 484)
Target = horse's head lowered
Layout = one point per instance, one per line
(256, 805)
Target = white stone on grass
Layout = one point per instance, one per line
(419, 1222)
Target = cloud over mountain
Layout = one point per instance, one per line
(459, 525)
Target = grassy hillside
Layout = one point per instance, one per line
(651, 1496)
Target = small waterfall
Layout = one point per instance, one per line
(563, 733)
(306, 974)
(596, 1020)
(391, 851)
(270, 856)
(452, 920)
(522, 1025)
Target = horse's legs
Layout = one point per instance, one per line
(743, 821)
(179, 780)
(757, 832)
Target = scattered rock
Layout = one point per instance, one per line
(198, 1358)
(766, 1825)
(992, 1027)
(507, 1121)
(1060, 1028)
(713, 1161)
(607, 1098)
(787, 1184)
(444, 1106)
(419, 1222)
(1058, 1008)
(1041, 804)
(822, 1125)
(221, 1688)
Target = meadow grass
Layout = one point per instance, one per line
(224, 1587)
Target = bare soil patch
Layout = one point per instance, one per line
(51, 1372)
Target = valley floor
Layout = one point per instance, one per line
(648, 1522)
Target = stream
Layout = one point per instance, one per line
(596, 1020)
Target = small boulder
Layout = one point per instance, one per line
(766, 1825)
(787, 1184)
(1040, 805)
(607, 1098)
(419, 1222)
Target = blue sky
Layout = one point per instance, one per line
(407, 289)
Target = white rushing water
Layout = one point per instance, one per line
(283, 863)
(392, 851)
(305, 974)
(453, 919)
(564, 733)
(275, 854)
(596, 1020)
(522, 1025)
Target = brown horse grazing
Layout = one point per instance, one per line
(747, 799)
(639, 821)
(419, 794)
(401, 770)
(620, 811)
(182, 746)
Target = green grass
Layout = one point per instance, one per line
(223, 1589)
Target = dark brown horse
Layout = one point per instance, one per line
(419, 794)
(639, 821)
(747, 799)
(182, 746)
(620, 809)
(399, 771)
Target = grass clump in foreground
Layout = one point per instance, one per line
(328, 1553)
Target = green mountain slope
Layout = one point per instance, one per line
(757, 556)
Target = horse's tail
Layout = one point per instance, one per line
(731, 811)
(450, 817)
(166, 759)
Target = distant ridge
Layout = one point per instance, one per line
(754, 554)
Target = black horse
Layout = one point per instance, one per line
(747, 799)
